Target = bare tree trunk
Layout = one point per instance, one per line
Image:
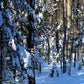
(43, 48)
(75, 59)
(57, 41)
(57, 36)
(48, 50)
(69, 33)
(30, 39)
(64, 42)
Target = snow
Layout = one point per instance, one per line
(83, 39)
(36, 39)
(9, 16)
(41, 39)
(57, 0)
(26, 56)
(39, 20)
(77, 77)
(75, 43)
(44, 9)
(18, 55)
(30, 73)
(10, 38)
(41, 15)
(1, 4)
(59, 26)
(13, 45)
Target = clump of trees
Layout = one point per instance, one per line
(16, 62)
(33, 32)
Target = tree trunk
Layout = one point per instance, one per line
(69, 33)
(64, 42)
(30, 39)
(57, 41)
(48, 50)
(75, 58)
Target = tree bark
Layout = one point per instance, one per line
(30, 39)
(64, 42)
(69, 33)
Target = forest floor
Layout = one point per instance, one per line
(77, 76)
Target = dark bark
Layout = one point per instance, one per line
(75, 59)
(30, 39)
(48, 50)
(57, 41)
(40, 68)
(64, 42)
(52, 73)
(1, 45)
(33, 67)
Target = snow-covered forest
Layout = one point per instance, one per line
(41, 41)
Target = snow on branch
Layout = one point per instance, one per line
(25, 55)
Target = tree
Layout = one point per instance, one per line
(31, 25)
(64, 42)
(15, 64)
(69, 32)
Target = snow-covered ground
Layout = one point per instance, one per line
(77, 77)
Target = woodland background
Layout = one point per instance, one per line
(35, 32)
